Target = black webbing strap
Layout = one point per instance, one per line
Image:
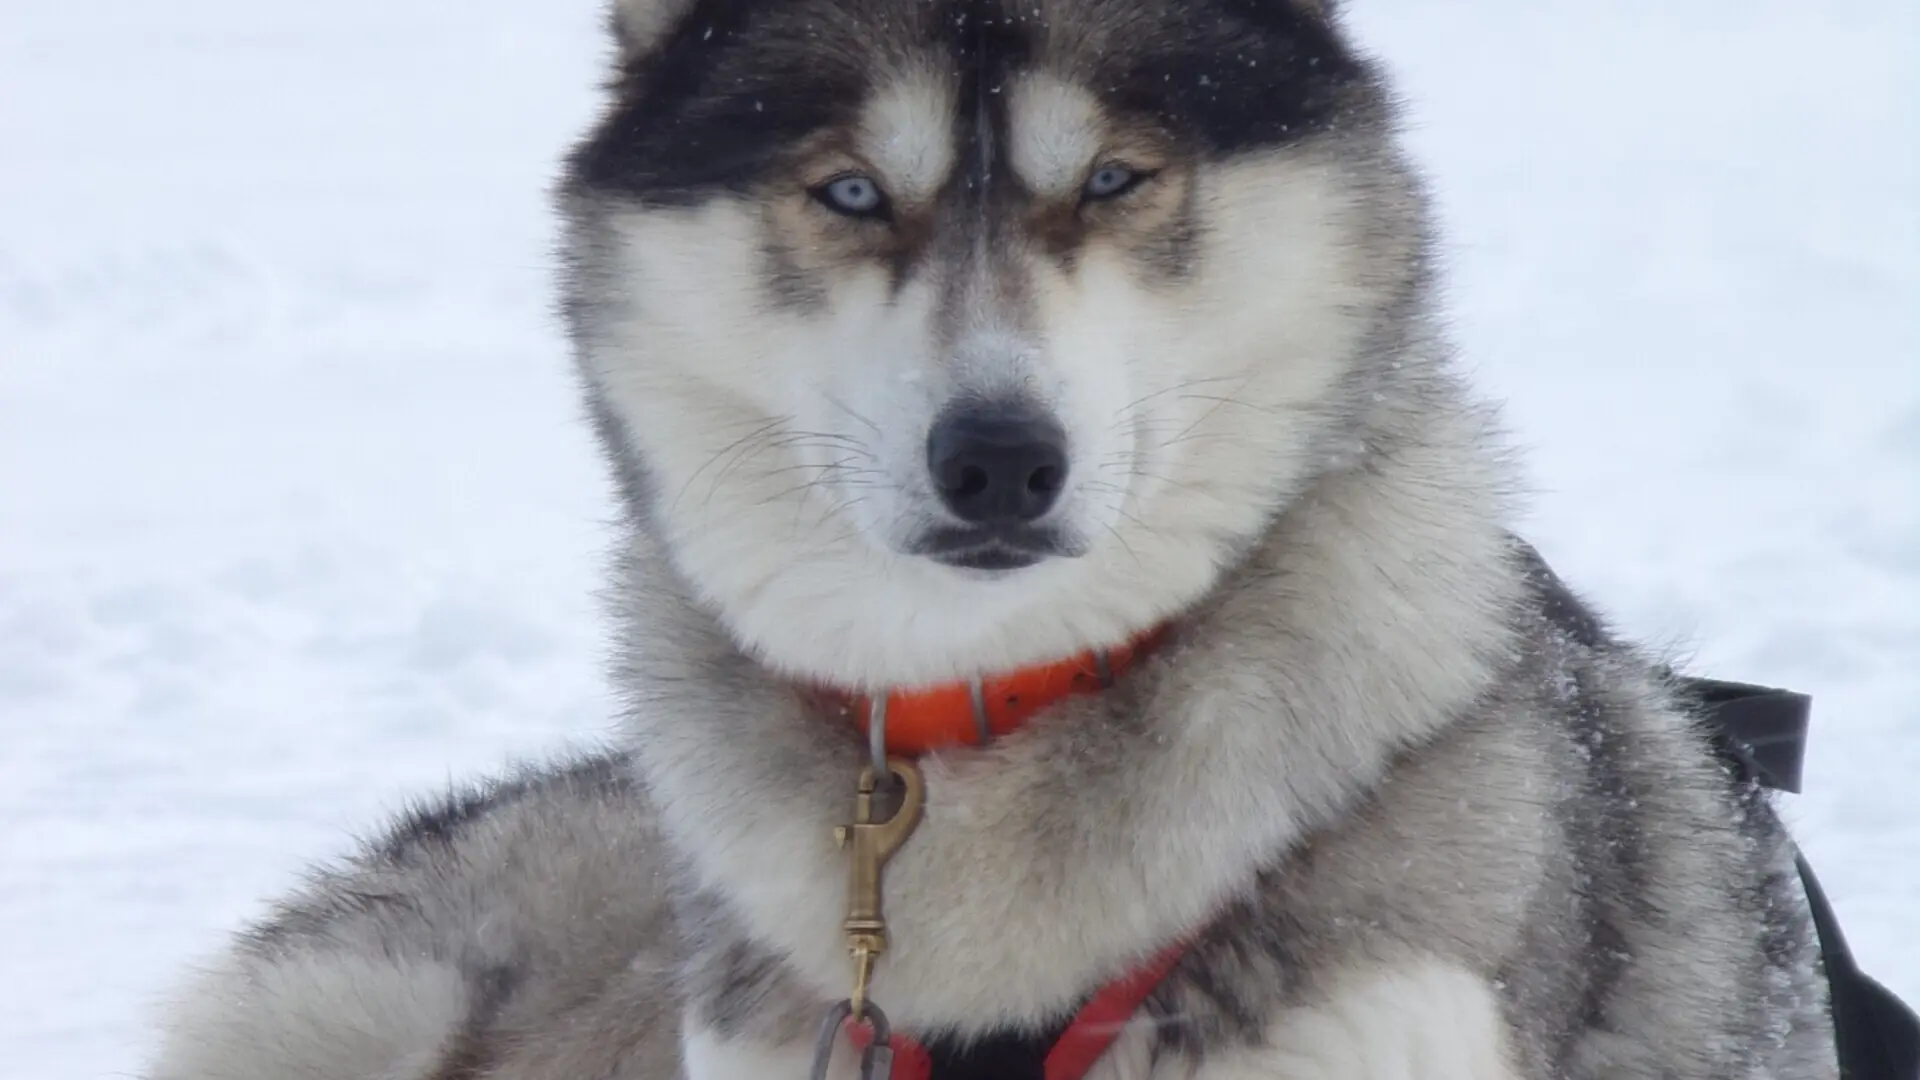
(1762, 733)
(1004, 1055)
(1762, 729)
(1876, 1035)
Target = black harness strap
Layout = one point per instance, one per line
(999, 1056)
(1762, 733)
(1876, 1034)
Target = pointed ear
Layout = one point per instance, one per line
(639, 26)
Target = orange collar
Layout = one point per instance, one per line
(930, 718)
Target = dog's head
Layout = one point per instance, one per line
(943, 336)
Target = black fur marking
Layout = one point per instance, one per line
(738, 82)
(297, 922)
(439, 824)
(1784, 922)
(787, 284)
(732, 87)
(989, 46)
(1606, 962)
(1173, 250)
(424, 830)
(734, 986)
(1600, 739)
(1223, 990)
(1239, 75)
(630, 477)
(470, 1052)
(1597, 731)
(737, 988)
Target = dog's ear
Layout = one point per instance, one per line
(639, 26)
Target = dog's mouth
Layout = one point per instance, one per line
(994, 549)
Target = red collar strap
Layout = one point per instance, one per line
(924, 719)
(1072, 1055)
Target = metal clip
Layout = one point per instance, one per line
(876, 1061)
(870, 844)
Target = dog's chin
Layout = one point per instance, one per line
(991, 554)
(990, 562)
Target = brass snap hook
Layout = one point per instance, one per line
(870, 844)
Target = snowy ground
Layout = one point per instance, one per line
(296, 519)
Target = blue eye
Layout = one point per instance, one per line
(853, 195)
(1110, 181)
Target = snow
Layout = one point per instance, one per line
(298, 518)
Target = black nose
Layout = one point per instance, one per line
(997, 466)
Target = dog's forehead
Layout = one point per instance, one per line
(927, 87)
(994, 84)
(915, 130)
(1226, 75)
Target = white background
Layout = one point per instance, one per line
(297, 519)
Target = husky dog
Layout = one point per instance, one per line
(937, 339)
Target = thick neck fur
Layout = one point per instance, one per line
(1374, 611)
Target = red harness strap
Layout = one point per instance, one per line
(1088, 1035)
(1100, 1021)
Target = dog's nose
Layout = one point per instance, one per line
(997, 465)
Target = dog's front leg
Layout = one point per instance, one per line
(1423, 1020)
